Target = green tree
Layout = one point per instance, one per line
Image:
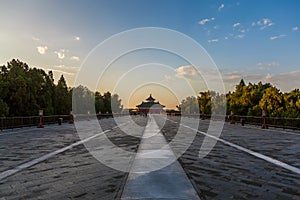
(189, 105)
(62, 106)
(292, 104)
(99, 104)
(116, 105)
(107, 102)
(272, 102)
(204, 101)
(83, 100)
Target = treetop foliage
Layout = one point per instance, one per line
(249, 100)
(25, 90)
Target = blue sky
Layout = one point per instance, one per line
(257, 40)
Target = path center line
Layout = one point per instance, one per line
(155, 172)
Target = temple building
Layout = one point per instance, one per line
(150, 106)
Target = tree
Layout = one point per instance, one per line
(272, 102)
(62, 106)
(189, 105)
(116, 105)
(83, 100)
(107, 102)
(99, 104)
(3, 108)
(204, 101)
(292, 104)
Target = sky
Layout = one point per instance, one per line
(257, 40)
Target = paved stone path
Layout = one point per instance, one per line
(155, 173)
(229, 173)
(73, 174)
(225, 173)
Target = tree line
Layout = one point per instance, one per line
(246, 100)
(25, 90)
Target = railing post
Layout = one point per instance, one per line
(264, 116)
(71, 121)
(40, 125)
(232, 118)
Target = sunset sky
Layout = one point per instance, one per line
(258, 40)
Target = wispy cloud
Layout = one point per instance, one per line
(280, 80)
(204, 21)
(263, 23)
(75, 58)
(295, 28)
(267, 65)
(221, 7)
(240, 36)
(168, 78)
(42, 49)
(35, 39)
(232, 77)
(277, 37)
(213, 40)
(236, 24)
(61, 71)
(189, 72)
(61, 53)
(66, 67)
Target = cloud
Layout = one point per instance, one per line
(213, 41)
(268, 77)
(295, 28)
(221, 7)
(77, 38)
(284, 81)
(232, 77)
(240, 36)
(42, 49)
(263, 23)
(66, 67)
(267, 66)
(204, 21)
(168, 78)
(236, 24)
(35, 39)
(61, 53)
(61, 71)
(75, 58)
(189, 72)
(277, 37)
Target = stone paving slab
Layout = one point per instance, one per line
(227, 173)
(276, 143)
(73, 174)
(147, 180)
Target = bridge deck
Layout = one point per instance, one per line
(225, 173)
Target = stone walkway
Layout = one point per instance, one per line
(155, 173)
(226, 172)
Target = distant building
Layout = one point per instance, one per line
(150, 106)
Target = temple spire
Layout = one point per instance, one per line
(150, 98)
